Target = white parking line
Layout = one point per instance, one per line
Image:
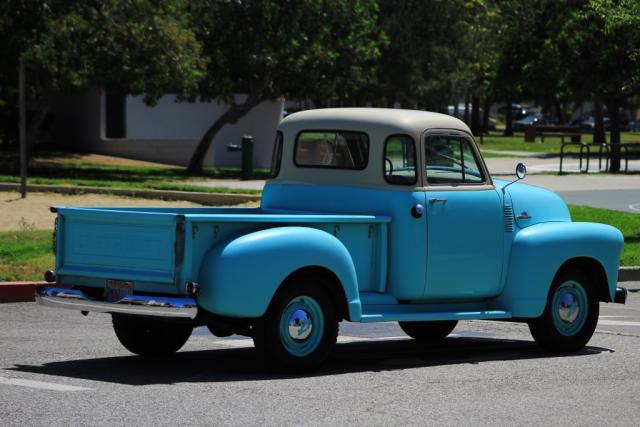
(617, 323)
(635, 207)
(40, 385)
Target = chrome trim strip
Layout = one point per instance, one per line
(137, 305)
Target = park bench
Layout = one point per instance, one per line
(531, 132)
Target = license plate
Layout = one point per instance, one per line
(115, 290)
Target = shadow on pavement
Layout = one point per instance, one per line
(243, 364)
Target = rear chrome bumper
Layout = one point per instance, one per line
(137, 305)
(621, 296)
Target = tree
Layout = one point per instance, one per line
(307, 49)
(602, 40)
(137, 47)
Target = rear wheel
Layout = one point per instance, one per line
(428, 331)
(149, 337)
(571, 314)
(299, 329)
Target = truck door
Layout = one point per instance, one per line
(465, 227)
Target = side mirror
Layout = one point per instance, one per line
(521, 172)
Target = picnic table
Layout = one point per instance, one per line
(533, 131)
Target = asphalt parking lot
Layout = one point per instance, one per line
(60, 368)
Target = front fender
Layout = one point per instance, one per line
(540, 250)
(239, 277)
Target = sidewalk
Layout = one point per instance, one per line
(504, 168)
(547, 163)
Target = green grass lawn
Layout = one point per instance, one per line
(125, 177)
(551, 145)
(627, 223)
(26, 254)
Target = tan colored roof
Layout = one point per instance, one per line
(410, 121)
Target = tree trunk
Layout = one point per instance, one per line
(508, 129)
(456, 110)
(475, 114)
(33, 131)
(559, 113)
(466, 108)
(231, 116)
(615, 137)
(485, 115)
(599, 136)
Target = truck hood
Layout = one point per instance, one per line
(533, 205)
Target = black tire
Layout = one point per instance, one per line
(302, 308)
(149, 337)
(429, 331)
(570, 327)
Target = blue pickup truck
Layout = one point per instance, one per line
(369, 215)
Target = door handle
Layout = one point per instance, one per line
(436, 200)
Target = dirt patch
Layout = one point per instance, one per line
(33, 212)
(48, 157)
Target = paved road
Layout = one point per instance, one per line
(620, 200)
(60, 368)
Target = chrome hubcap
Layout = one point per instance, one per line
(569, 308)
(300, 325)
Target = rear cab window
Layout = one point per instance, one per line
(332, 149)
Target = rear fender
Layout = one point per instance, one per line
(538, 253)
(239, 277)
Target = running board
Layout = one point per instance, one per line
(396, 314)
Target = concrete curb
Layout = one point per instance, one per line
(190, 196)
(25, 291)
(629, 274)
(19, 291)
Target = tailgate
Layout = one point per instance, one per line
(113, 244)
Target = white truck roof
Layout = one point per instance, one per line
(404, 121)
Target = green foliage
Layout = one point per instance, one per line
(297, 49)
(137, 47)
(128, 46)
(304, 49)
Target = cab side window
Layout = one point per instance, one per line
(276, 158)
(400, 160)
(450, 160)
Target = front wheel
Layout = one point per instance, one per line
(428, 331)
(299, 329)
(570, 317)
(149, 337)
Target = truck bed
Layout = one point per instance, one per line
(158, 250)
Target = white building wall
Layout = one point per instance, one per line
(172, 128)
(167, 132)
